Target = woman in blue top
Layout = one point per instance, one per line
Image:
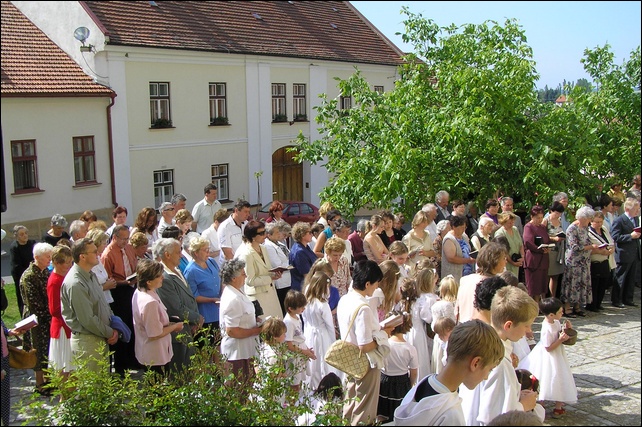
(202, 275)
(301, 256)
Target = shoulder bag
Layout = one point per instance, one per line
(21, 359)
(347, 357)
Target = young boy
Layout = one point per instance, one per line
(295, 303)
(512, 313)
(474, 348)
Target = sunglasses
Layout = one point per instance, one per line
(261, 233)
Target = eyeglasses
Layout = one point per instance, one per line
(168, 209)
(261, 233)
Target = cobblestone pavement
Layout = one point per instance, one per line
(605, 362)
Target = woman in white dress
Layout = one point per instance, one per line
(278, 253)
(319, 326)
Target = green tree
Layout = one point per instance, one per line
(464, 116)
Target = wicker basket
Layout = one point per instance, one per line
(572, 333)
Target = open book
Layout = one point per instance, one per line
(637, 229)
(131, 277)
(604, 245)
(25, 324)
(392, 321)
(546, 245)
(281, 269)
(561, 235)
(473, 254)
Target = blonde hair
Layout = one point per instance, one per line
(325, 208)
(448, 288)
(197, 243)
(183, 216)
(426, 280)
(320, 264)
(419, 218)
(504, 217)
(475, 338)
(98, 236)
(388, 284)
(512, 304)
(273, 328)
(318, 287)
(334, 244)
(397, 248)
(138, 239)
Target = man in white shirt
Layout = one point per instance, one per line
(203, 211)
(167, 212)
(442, 202)
(211, 234)
(431, 211)
(230, 232)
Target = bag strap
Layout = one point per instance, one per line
(354, 316)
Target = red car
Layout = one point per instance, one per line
(293, 212)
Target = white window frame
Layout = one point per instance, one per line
(221, 178)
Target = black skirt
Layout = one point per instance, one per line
(391, 392)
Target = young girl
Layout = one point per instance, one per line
(442, 327)
(295, 303)
(548, 360)
(426, 280)
(399, 254)
(389, 288)
(271, 360)
(319, 329)
(400, 373)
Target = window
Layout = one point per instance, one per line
(218, 104)
(25, 171)
(221, 180)
(300, 112)
(346, 102)
(279, 114)
(159, 105)
(306, 209)
(379, 89)
(163, 186)
(84, 160)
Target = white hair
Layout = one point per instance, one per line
(42, 248)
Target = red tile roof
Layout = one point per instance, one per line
(33, 65)
(321, 30)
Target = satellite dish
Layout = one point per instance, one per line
(81, 34)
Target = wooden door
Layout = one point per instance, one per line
(287, 176)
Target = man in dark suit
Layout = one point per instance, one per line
(627, 254)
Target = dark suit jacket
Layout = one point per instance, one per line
(440, 215)
(627, 250)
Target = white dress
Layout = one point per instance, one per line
(421, 313)
(319, 336)
(551, 368)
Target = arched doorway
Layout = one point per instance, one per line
(287, 175)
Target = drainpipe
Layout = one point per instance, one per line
(111, 150)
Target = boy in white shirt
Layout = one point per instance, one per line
(295, 303)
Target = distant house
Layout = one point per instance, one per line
(561, 100)
(216, 91)
(55, 130)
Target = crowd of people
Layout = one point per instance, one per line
(466, 286)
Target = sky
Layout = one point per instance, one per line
(557, 31)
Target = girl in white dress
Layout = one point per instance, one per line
(548, 360)
(319, 326)
(426, 280)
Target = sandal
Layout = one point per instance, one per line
(558, 413)
(570, 315)
(579, 313)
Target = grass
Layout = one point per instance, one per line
(11, 314)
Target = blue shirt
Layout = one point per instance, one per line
(205, 282)
(301, 258)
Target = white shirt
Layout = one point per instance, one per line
(203, 214)
(230, 235)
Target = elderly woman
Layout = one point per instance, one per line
(57, 230)
(602, 261)
(202, 274)
(238, 322)
(443, 227)
(33, 286)
(455, 250)
(536, 260)
(301, 256)
(21, 251)
(278, 254)
(177, 297)
(151, 321)
(555, 229)
(508, 230)
(483, 234)
(184, 219)
(275, 212)
(576, 283)
(373, 246)
(259, 284)
(334, 248)
(100, 239)
(418, 240)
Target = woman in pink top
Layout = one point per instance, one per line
(490, 261)
(151, 323)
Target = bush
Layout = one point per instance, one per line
(203, 394)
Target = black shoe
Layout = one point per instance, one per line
(631, 304)
(580, 313)
(600, 308)
(593, 309)
(570, 315)
(618, 305)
